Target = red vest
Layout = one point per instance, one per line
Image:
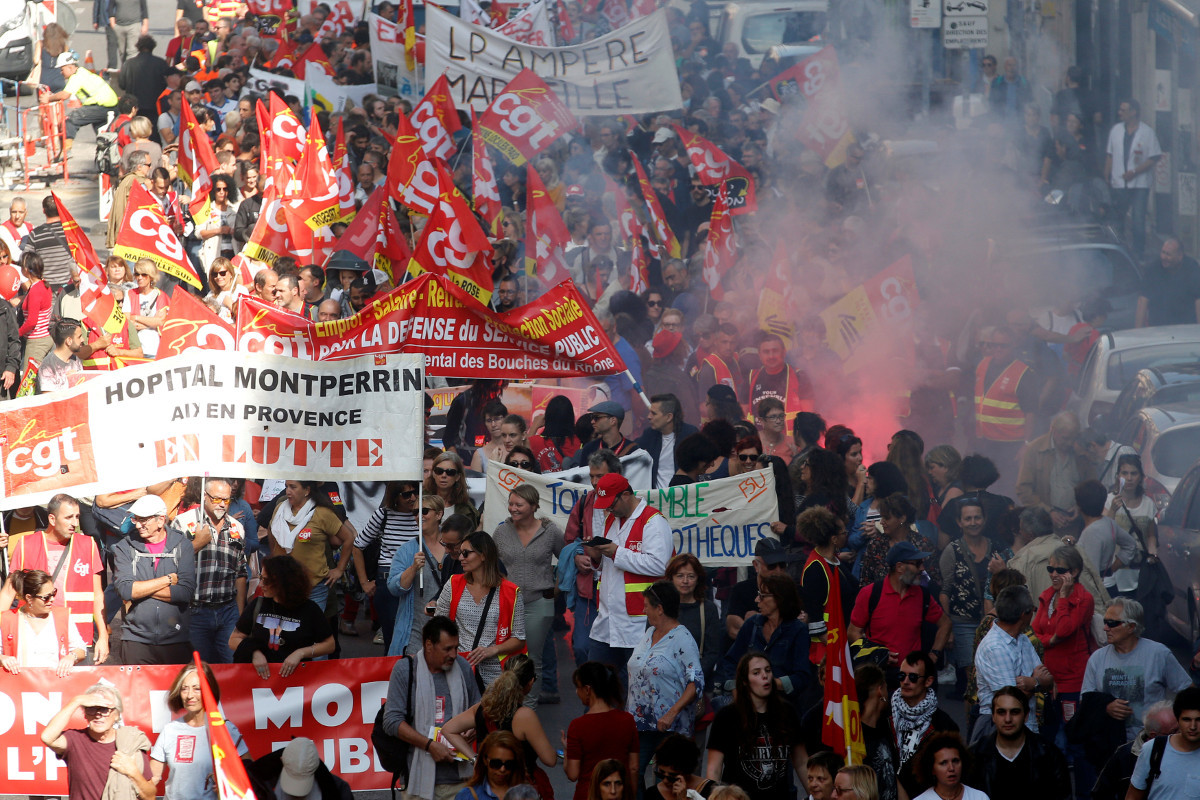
(75, 577)
(507, 596)
(161, 303)
(793, 403)
(721, 371)
(998, 414)
(635, 602)
(10, 629)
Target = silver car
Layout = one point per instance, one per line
(1168, 439)
(1116, 358)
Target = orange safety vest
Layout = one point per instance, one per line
(507, 595)
(998, 414)
(10, 629)
(635, 602)
(79, 589)
(721, 371)
(793, 403)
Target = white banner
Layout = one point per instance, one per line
(392, 74)
(718, 521)
(261, 82)
(214, 412)
(323, 93)
(531, 26)
(628, 71)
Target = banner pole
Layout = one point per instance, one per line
(637, 387)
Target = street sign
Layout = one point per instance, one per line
(925, 13)
(964, 33)
(964, 8)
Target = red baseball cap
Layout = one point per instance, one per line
(608, 487)
(665, 342)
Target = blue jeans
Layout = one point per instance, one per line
(386, 605)
(550, 665)
(617, 656)
(319, 595)
(1137, 202)
(209, 628)
(585, 614)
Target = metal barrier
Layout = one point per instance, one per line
(31, 137)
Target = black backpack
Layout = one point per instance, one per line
(1156, 757)
(108, 151)
(393, 751)
(928, 629)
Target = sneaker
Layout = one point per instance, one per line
(378, 637)
(549, 699)
(347, 628)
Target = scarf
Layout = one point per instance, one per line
(422, 774)
(285, 524)
(911, 722)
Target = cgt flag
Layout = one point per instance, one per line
(714, 168)
(341, 171)
(661, 231)
(841, 726)
(546, 234)
(526, 118)
(436, 120)
(313, 196)
(79, 244)
(483, 180)
(720, 254)
(230, 773)
(145, 233)
(454, 245)
(413, 178)
(197, 161)
(190, 323)
(815, 85)
(100, 306)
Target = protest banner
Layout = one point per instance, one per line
(331, 702)
(718, 521)
(865, 313)
(527, 399)
(628, 71)
(221, 413)
(324, 94)
(261, 83)
(557, 336)
(392, 75)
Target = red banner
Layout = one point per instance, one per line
(190, 323)
(331, 702)
(556, 336)
(526, 118)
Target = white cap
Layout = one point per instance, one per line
(663, 134)
(150, 505)
(66, 58)
(380, 277)
(300, 762)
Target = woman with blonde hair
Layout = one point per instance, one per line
(141, 129)
(183, 744)
(502, 709)
(856, 782)
(415, 578)
(146, 306)
(528, 544)
(223, 288)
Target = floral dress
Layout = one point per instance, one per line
(658, 675)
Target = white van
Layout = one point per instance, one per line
(756, 27)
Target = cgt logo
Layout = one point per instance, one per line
(48, 446)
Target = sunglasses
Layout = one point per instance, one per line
(466, 553)
(218, 501)
(1113, 623)
(915, 677)
(746, 459)
(425, 512)
(509, 764)
(1058, 570)
(654, 303)
(222, 272)
(98, 710)
(521, 464)
(452, 472)
(407, 494)
(667, 777)
(46, 598)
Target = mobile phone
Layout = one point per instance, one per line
(597, 541)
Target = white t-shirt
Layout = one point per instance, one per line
(41, 649)
(666, 461)
(187, 752)
(968, 794)
(1143, 147)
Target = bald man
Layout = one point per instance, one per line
(15, 228)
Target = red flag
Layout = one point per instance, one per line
(270, 238)
(287, 134)
(285, 55)
(841, 727)
(483, 180)
(392, 253)
(197, 160)
(341, 170)
(526, 118)
(721, 251)
(313, 196)
(100, 307)
(436, 119)
(80, 245)
(823, 127)
(412, 179)
(454, 245)
(565, 28)
(632, 231)
(230, 773)
(264, 141)
(311, 55)
(410, 36)
(375, 237)
(714, 168)
(658, 218)
(145, 233)
(546, 234)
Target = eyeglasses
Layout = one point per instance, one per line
(667, 777)
(46, 598)
(747, 458)
(98, 711)
(1058, 570)
(451, 471)
(763, 594)
(425, 512)
(509, 764)
(654, 303)
(522, 464)
(449, 545)
(1113, 623)
(915, 677)
(218, 501)
(221, 273)
(141, 520)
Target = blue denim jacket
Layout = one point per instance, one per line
(788, 651)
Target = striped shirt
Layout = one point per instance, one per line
(468, 615)
(396, 528)
(50, 243)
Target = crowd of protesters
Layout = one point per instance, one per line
(1020, 603)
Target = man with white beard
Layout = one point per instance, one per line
(220, 544)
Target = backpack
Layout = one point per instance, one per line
(108, 153)
(393, 751)
(928, 629)
(1156, 757)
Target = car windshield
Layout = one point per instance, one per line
(1123, 365)
(1176, 451)
(761, 32)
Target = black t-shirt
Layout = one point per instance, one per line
(759, 759)
(883, 757)
(743, 597)
(1172, 293)
(278, 632)
(191, 9)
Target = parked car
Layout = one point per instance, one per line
(1168, 439)
(1179, 549)
(1118, 356)
(1153, 386)
(19, 29)
(756, 27)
